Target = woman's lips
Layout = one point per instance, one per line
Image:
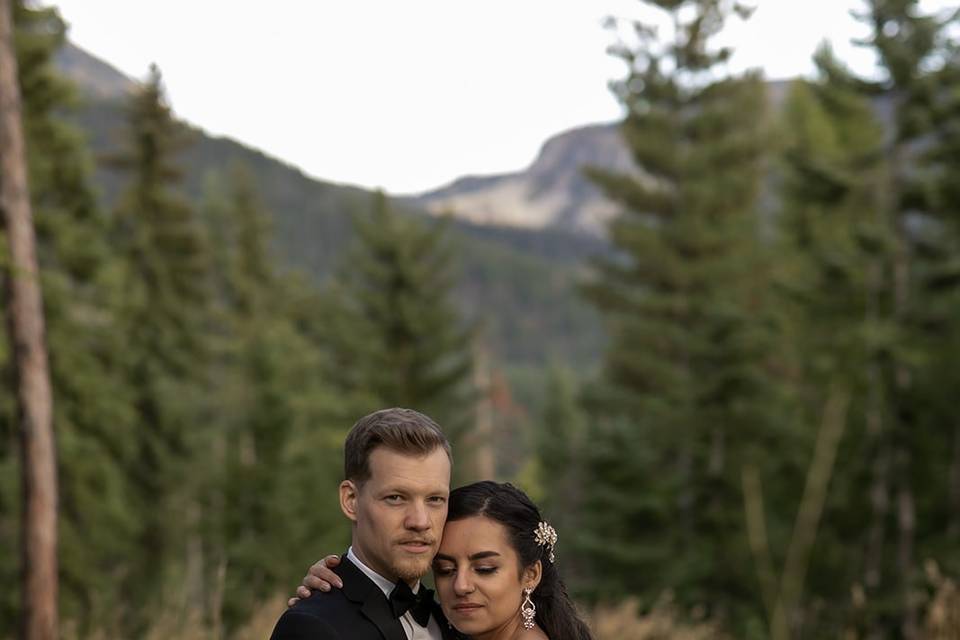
(466, 607)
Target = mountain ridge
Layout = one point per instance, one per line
(520, 282)
(552, 192)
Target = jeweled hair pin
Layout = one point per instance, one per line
(546, 536)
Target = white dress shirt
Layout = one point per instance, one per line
(413, 630)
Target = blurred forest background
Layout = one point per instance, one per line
(737, 405)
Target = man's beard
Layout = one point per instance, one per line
(412, 569)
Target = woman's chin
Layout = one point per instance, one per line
(468, 622)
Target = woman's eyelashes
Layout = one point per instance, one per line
(449, 570)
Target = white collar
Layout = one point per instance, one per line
(385, 585)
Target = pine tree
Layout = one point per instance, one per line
(164, 305)
(397, 337)
(272, 412)
(96, 523)
(685, 398)
(874, 222)
(832, 256)
(26, 320)
(910, 243)
(938, 195)
(559, 443)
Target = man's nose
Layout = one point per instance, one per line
(417, 517)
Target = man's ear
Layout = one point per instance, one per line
(532, 575)
(349, 494)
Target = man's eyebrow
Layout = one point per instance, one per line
(405, 490)
(476, 556)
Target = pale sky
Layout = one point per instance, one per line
(410, 94)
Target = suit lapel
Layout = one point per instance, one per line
(377, 609)
(358, 588)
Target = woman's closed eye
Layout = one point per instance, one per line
(449, 569)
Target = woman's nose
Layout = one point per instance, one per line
(462, 585)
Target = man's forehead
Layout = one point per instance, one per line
(390, 466)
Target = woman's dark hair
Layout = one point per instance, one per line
(509, 506)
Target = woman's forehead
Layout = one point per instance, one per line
(475, 534)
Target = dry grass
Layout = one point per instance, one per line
(620, 621)
(260, 625)
(623, 622)
(943, 612)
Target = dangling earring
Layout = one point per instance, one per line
(528, 610)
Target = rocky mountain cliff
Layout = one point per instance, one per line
(551, 193)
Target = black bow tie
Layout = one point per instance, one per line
(403, 599)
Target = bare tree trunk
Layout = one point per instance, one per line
(906, 525)
(35, 403)
(906, 517)
(879, 500)
(811, 508)
(783, 601)
(879, 493)
(954, 527)
(480, 439)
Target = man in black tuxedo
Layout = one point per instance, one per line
(397, 469)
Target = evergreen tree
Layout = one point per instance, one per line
(559, 444)
(397, 338)
(937, 194)
(96, 523)
(874, 224)
(164, 305)
(832, 257)
(685, 399)
(272, 412)
(901, 253)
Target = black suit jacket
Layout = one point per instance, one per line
(359, 611)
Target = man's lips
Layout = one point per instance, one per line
(416, 545)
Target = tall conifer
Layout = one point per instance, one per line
(272, 412)
(834, 251)
(684, 399)
(876, 226)
(398, 338)
(96, 522)
(164, 306)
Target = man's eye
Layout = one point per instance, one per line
(437, 500)
(393, 498)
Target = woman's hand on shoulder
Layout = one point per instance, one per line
(320, 577)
